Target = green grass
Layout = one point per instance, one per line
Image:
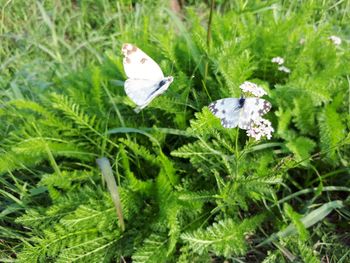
(190, 190)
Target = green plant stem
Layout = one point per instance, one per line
(311, 190)
(212, 3)
(324, 176)
(236, 161)
(206, 67)
(49, 153)
(237, 152)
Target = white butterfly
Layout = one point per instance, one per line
(145, 78)
(239, 112)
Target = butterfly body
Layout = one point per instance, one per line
(241, 112)
(241, 102)
(145, 78)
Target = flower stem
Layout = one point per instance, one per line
(236, 160)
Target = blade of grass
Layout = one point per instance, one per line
(308, 220)
(107, 173)
(133, 130)
(52, 28)
(193, 51)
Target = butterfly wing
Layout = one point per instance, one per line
(140, 91)
(138, 65)
(228, 110)
(253, 109)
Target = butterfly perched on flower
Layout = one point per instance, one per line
(145, 78)
(241, 112)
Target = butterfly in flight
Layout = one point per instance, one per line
(241, 112)
(145, 78)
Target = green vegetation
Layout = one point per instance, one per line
(190, 190)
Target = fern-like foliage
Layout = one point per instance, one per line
(332, 130)
(302, 148)
(226, 237)
(190, 190)
(153, 250)
(84, 219)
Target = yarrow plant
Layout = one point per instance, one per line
(284, 69)
(280, 61)
(277, 60)
(245, 112)
(335, 40)
(259, 127)
(212, 182)
(250, 87)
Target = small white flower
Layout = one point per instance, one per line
(280, 61)
(277, 60)
(260, 128)
(284, 69)
(250, 87)
(336, 40)
(302, 41)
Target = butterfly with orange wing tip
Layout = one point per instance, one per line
(145, 78)
(241, 112)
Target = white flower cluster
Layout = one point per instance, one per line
(277, 60)
(280, 61)
(336, 40)
(284, 69)
(250, 87)
(260, 128)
